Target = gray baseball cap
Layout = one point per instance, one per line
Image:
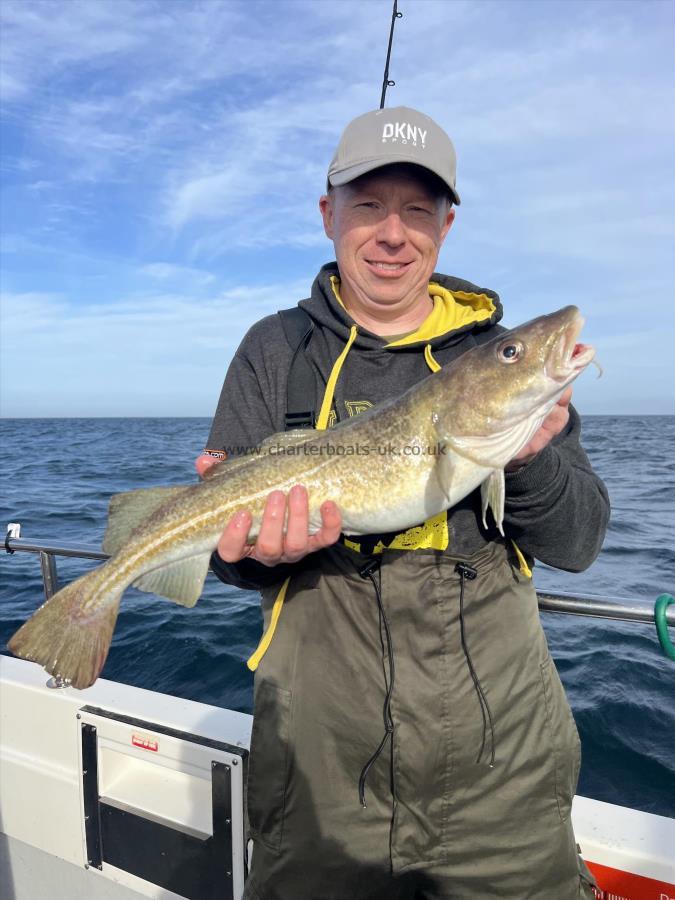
(394, 135)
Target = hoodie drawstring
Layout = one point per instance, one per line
(327, 402)
(254, 659)
(468, 573)
(522, 562)
(429, 359)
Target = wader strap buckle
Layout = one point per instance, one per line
(464, 570)
(294, 420)
(371, 566)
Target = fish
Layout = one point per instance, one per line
(388, 469)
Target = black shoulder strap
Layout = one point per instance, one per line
(298, 328)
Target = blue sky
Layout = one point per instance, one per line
(162, 163)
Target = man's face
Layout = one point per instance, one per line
(387, 228)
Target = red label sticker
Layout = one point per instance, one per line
(619, 885)
(145, 742)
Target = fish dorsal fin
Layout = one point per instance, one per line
(275, 442)
(126, 512)
(181, 581)
(226, 467)
(492, 492)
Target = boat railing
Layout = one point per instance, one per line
(624, 610)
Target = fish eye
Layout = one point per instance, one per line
(510, 351)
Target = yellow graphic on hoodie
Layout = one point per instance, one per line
(354, 407)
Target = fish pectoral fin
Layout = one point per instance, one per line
(444, 470)
(181, 581)
(492, 492)
(126, 512)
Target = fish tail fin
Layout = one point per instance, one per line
(71, 639)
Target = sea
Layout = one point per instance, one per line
(58, 476)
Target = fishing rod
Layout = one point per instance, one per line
(395, 14)
(662, 614)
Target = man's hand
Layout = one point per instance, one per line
(553, 424)
(272, 545)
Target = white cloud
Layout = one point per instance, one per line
(153, 354)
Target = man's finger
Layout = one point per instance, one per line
(297, 527)
(233, 544)
(331, 526)
(204, 462)
(270, 542)
(565, 397)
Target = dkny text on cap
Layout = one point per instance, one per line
(397, 134)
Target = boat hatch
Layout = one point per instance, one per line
(162, 805)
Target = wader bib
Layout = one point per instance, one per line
(471, 687)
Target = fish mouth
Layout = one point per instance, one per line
(569, 357)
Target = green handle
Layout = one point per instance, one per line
(662, 603)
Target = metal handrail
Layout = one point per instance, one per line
(81, 551)
(601, 607)
(558, 602)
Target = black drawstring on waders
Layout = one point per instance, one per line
(468, 573)
(368, 571)
(385, 81)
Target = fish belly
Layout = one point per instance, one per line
(394, 498)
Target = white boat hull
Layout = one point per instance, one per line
(156, 758)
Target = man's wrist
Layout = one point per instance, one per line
(247, 573)
(536, 475)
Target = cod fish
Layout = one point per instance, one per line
(388, 469)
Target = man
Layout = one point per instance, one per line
(411, 736)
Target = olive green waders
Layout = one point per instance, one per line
(439, 820)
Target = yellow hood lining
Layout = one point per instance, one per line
(452, 310)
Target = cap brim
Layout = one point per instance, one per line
(336, 179)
